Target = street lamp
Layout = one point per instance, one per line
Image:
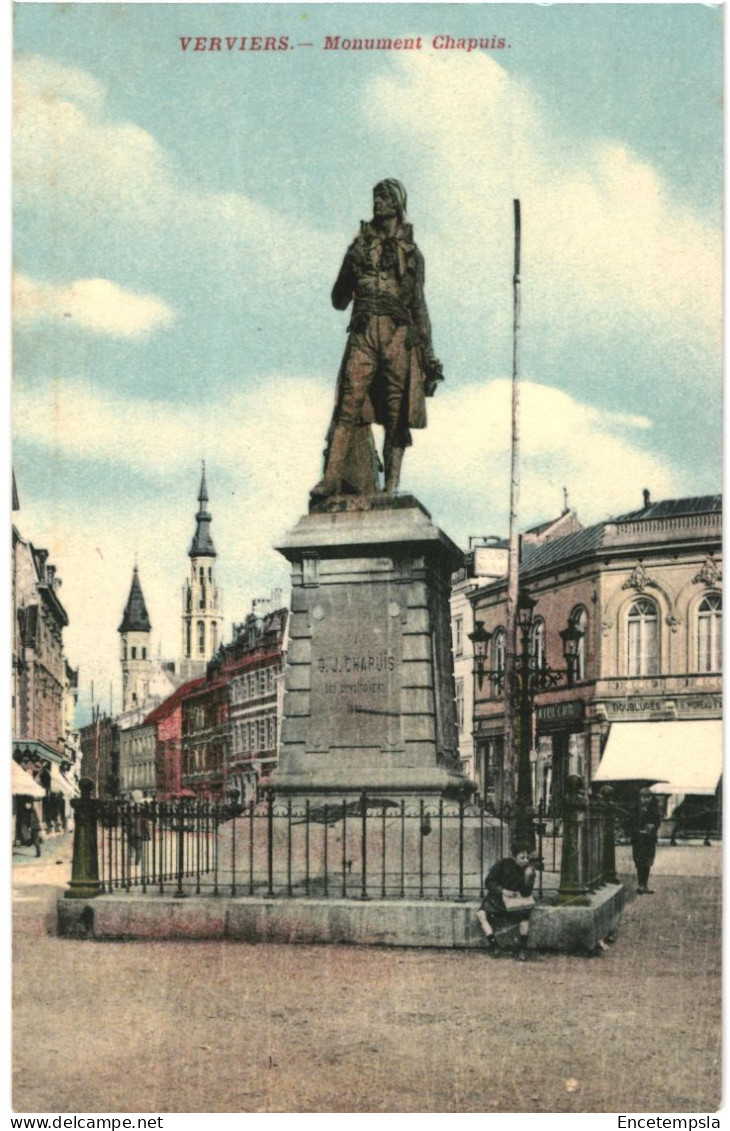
(480, 640)
(530, 679)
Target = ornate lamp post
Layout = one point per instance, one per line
(530, 679)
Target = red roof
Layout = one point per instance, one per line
(167, 706)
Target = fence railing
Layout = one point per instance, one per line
(362, 848)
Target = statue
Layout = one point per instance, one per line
(389, 366)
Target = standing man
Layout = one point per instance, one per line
(389, 366)
(645, 822)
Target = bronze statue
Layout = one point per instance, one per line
(389, 366)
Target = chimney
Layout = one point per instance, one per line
(647, 498)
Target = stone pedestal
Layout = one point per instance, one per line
(369, 691)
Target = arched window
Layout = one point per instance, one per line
(187, 639)
(201, 637)
(537, 644)
(579, 620)
(498, 643)
(709, 634)
(214, 635)
(642, 638)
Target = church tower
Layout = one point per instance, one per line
(202, 605)
(135, 631)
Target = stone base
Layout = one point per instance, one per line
(408, 923)
(369, 689)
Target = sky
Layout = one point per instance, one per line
(180, 217)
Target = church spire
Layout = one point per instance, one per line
(202, 544)
(135, 617)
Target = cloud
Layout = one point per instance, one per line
(270, 444)
(263, 452)
(73, 157)
(607, 247)
(93, 304)
(465, 454)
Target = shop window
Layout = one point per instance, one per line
(709, 634)
(642, 638)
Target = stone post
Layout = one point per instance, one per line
(572, 881)
(84, 882)
(608, 856)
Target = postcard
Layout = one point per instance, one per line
(367, 544)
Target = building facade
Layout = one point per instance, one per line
(167, 718)
(137, 760)
(485, 561)
(99, 743)
(256, 659)
(205, 736)
(43, 685)
(231, 719)
(644, 592)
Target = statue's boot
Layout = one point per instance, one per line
(331, 483)
(393, 460)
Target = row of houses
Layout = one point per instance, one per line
(214, 733)
(44, 688)
(637, 597)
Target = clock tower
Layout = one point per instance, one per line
(202, 605)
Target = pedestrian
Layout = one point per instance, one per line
(31, 828)
(508, 897)
(645, 820)
(137, 826)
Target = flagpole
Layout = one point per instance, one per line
(510, 682)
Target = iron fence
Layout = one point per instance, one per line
(361, 849)
(366, 848)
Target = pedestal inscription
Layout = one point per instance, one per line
(369, 689)
(356, 669)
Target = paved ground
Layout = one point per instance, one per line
(206, 1027)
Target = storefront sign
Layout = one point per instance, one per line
(683, 704)
(560, 712)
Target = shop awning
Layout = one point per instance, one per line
(60, 784)
(34, 748)
(24, 785)
(684, 756)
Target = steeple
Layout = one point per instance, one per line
(202, 604)
(135, 617)
(135, 632)
(202, 544)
